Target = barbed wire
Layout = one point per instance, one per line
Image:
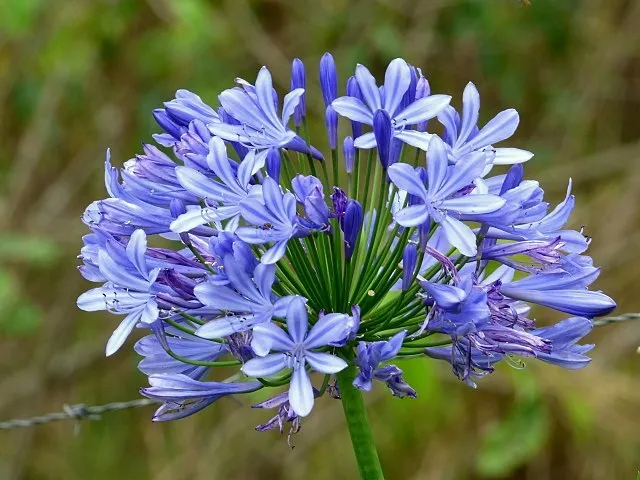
(82, 411)
(79, 411)
(616, 319)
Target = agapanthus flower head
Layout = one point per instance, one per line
(313, 277)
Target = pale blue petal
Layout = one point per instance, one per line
(301, 392)
(275, 253)
(473, 204)
(459, 235)
(445, 296)
(268, 336)
(423, 109)
(415, 138)
(264, 276)
(437, 164)
(297, 320)
(291, 101)
(225, 326)
(136, 249)
(331, 328)
(121, 333)
(368, 140)
(353, 109)
(470, 110)
(510, 156)
(406, 178)
(188, 221)
(499, 128)
(368, 88)
(265, 366)
(412, 216)
(397, 79)
(325, 363)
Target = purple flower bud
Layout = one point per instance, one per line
(382, 129)
(331, 122)
(353, 90)
(513, 178)
(410, 95)
(273, 164)
(409, 259)
(298, 80)
(303, 186)
(339, 199)
(328, 79)
(315, 208)
(349, 152)
(351, 226)
(422, 90)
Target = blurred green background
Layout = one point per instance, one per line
(78, 76)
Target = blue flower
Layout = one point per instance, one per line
(274, 218)
(464, 136)
(439, 201)
(259, 124)
(368, 359)
(249, 300)
(184, 396)
(130, 288)
(295, 351)
(396, 83)
(222, 198)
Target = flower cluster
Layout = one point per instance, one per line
(236, 242)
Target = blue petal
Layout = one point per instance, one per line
(397, 79)
(121, 333)
(423, 109)
(353, 109)
(445, 296)
(459, 235)
(412, 216)
(511, 156)
(291, 101)
(499, 128)
(414, 138)
(268, 336)
(331, 328)
(325, 362)
(265, 366)
(297, 320)
(473, 204)
(406, 178)
(136, 249)
(301, 392)
(470, 110)
(225, 326)
(368, 87)
(275, 253)
(437, 164)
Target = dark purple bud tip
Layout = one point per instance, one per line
(383, 131)
(409, 259)
(351, 226)
(273, 164)
(328, 79)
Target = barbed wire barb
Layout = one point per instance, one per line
(79, 411)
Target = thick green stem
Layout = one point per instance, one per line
(359, 429)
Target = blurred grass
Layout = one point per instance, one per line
(78, 76)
